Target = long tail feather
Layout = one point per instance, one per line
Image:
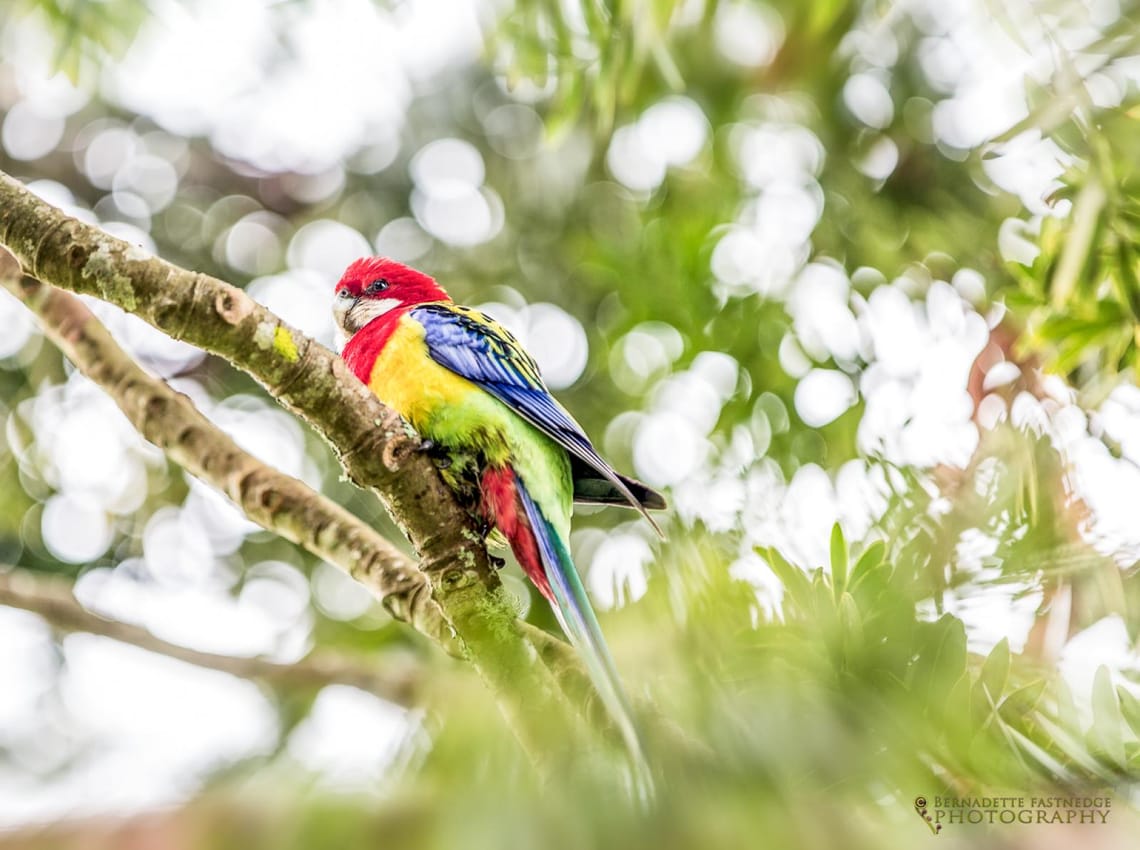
(594, 489)
(576, 616)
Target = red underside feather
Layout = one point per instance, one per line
(502, 508)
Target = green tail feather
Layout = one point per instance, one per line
(577, 618)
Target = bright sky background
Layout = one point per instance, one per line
(154, 726)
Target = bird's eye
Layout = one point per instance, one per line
(344, 293)
(378, 285)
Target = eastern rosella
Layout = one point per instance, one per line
(470, 390)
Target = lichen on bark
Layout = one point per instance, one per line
(316, 385)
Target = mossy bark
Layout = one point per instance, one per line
(370, 440)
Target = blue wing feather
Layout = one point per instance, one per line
(476, 347)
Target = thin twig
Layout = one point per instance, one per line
(275, 501)
(52, 599)
(372, 442)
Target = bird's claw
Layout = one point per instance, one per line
(437, 453)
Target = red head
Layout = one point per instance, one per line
(373, 286)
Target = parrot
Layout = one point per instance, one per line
(479, 403)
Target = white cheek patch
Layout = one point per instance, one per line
(368, 309)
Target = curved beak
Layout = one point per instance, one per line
(342, 308)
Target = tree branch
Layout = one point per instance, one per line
(275, 501)
(52, 599)
(372, 442)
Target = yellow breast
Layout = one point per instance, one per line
(452, 411)
(406, 379)
(449, 409)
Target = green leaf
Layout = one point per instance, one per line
(839, 558)
(871, 559)
(1066, 706)
(823, 602)
(795, 580)
(1039, 754)
(955, 709)
(1130, 708)
(1108, 724)
(941, 658)
(1021, 701)
(995, 671)
(851, 621)
(1073, 748)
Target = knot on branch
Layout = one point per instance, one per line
(410, 599)
(155, 409)
(457, 579)
(398, 449)
(233, 305)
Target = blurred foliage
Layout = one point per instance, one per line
(88, 31)
(1081, 295)
(802, 698)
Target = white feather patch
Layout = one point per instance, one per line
(367, 309)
